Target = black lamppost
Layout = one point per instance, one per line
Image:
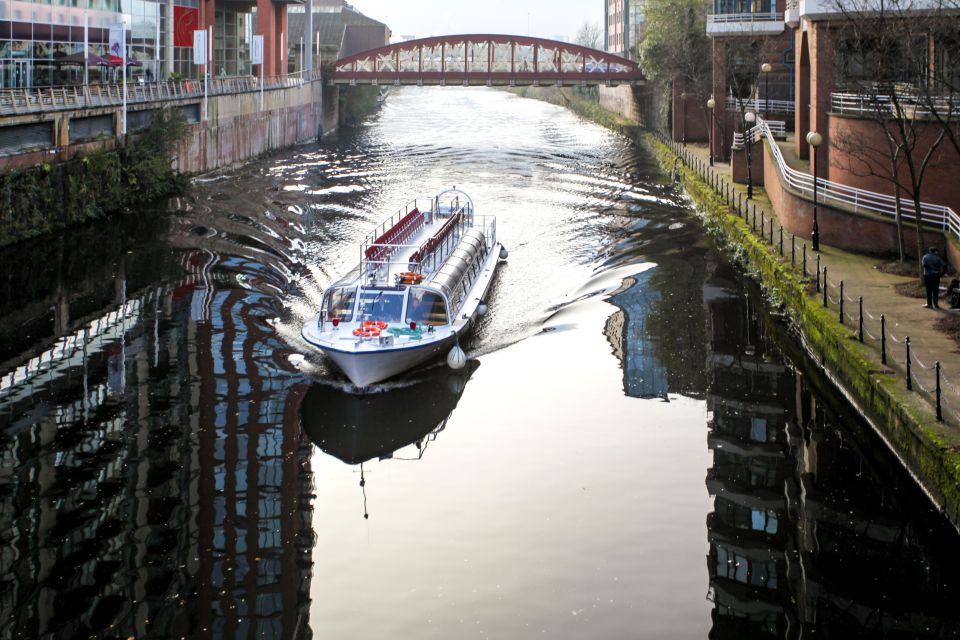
(711, 103)
(750, 117)
(683, 101)
(814, 139)
(766, 68)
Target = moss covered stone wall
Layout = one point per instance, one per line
(48, 197)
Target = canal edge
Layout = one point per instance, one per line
(929, 451)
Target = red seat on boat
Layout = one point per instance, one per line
(397, 234)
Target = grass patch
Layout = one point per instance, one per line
(911, 289)
(896, 268)
(950, 325)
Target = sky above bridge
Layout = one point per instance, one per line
(552, 19)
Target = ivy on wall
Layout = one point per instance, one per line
(41, 199)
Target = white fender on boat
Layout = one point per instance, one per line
(504, 253)
(482, 308)
(456, 359)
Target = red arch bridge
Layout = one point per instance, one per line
(485, 60)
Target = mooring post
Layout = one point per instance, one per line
(860, 330)
(818, 273)
(883, 339)
(939, 408)
(909, 380)
(781, 241)
(826, 288)
(841, 302)
(771, 235)
(804, 259)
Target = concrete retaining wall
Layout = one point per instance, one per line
(619, 100)
(237, 129)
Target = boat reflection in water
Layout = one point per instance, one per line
(357, 428)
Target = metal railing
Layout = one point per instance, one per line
(761, 105)
(928, 379)
(859, 200)
(44, 99)
(911, 105)
(764, 16)
(778, 127)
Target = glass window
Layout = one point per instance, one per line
(426, 307)
(340, 304)
(380, 305)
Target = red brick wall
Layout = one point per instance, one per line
(852, 232)
(739, 164)
(860, 158)
(694, 129)
(815, 81)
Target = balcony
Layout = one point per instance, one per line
(743, 24)
(831, 9)
(905, 103)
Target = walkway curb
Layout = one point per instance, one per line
(929, 450)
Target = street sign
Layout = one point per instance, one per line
(256, 50)
(200, 47)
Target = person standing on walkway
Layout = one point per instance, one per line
(933, 268)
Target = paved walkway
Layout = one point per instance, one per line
(905, 316)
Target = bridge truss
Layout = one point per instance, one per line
(490, 60)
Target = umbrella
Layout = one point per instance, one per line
(131, 62)
(92, 59)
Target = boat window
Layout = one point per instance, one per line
(426, 307)
(340, 303)
(380, 305)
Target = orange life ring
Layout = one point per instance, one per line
(375, 324)
(411, 277)
(367, 332)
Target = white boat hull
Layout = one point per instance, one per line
(366, 368)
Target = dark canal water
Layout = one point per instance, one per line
(636, 450)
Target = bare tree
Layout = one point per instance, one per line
(883, 52)
(675, 48)
(590, 35)
(941, 94)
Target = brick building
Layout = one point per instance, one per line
(854, 78)
(753, 65)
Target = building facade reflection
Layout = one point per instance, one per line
(804, 539)
(154, 479)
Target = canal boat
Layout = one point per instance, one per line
(421, 282)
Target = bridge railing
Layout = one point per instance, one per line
(44, 99)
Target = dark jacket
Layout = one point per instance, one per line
(933, 265)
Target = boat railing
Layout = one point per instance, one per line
(438, 247)
(388, 262)
(383, 261)
(421, 204)
(489, 226)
